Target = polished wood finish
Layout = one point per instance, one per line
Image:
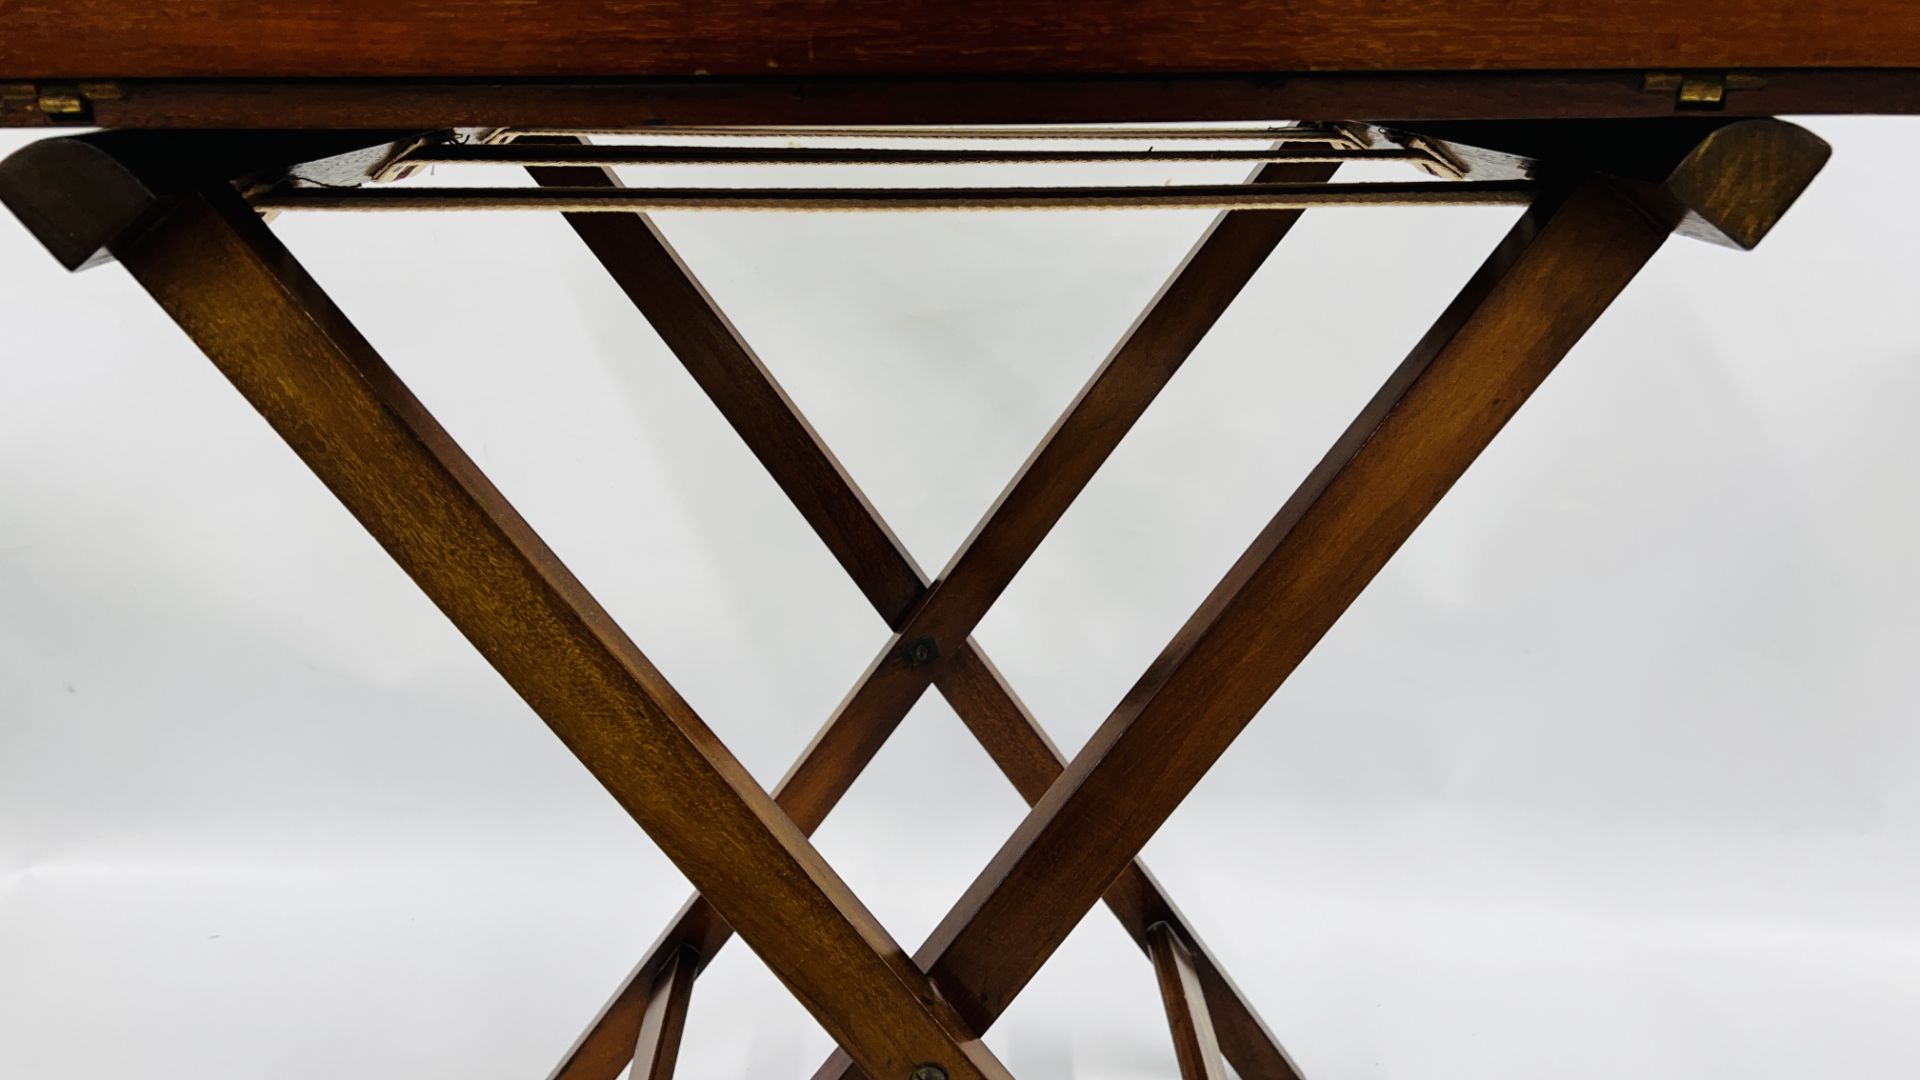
(641, 261)
(682, 38)
(217, 270)
(1611, 198)
(1194, 1044)
(648, 104)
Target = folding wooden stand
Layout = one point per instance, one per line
(183, 213)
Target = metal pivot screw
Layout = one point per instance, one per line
(927, 1072)
(919, 652)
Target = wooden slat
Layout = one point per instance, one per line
(1273, 198)
(1545, 284)
(645, 266)
(657, 1047)
(675, 38)
(1194, 1044)
(272, 331)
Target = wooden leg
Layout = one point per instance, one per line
(639, 258)
(1556, 272)
(1194, 1044)
(219, 273)
(1566, 260)
(657, 1046)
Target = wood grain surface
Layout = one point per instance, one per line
(676, 38)
(649, 104)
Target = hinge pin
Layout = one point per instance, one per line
(921, 652)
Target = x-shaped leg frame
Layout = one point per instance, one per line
(1610, 195)
(931, 621)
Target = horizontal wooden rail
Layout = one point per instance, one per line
(654, 200)
(1295, 133)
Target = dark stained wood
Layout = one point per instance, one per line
(236, 291)
(642, 262)
(647, 104)
(1559, 268)
(645, 266)
(657, 1046)
(85, 39)
(1018, 745)
(1194, 1044)
(294, 356)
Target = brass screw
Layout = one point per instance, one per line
(928, 1072)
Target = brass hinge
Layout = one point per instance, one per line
(1698, 90)
(18, 97)
(70, 103)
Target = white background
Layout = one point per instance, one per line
(1612, 772)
